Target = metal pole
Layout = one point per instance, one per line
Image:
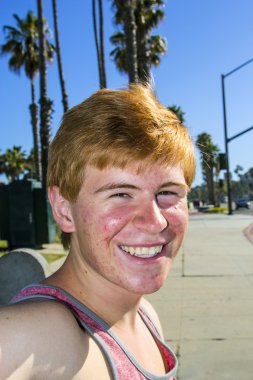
(238, 68)
(240, 134)
(230, 210)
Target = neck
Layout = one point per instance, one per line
(115, 305)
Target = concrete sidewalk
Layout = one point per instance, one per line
(206, 305)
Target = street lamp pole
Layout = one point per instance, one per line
(227, 140)
(230, 210)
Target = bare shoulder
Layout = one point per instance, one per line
(153, 314)
(30, 317)
(37, 335)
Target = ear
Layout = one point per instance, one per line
(61, 209)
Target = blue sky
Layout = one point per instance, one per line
(205, 39)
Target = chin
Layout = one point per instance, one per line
(153, 286)
(153, 290)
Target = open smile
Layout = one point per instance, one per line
(143, 252)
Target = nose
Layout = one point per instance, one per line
(149, 217)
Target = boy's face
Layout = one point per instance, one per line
(129, 224)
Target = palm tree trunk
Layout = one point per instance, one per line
(59, 60)
(210, 185)
(45, 102)
(99, 43)
(143, 55)
(102, 54)
(34, 121)
(128, 8)
(94, 15)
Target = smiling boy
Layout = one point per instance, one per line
(120, 167)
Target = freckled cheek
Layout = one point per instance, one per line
(113, 223)
(88, 221)
(86, 217)
(178, 218)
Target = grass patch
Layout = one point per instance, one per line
(3, 247)
(213, 210)
(51, 257)
(3, 244)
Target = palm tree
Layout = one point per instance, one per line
(99, 42)
(30, 166)
(130, 31)
(59, 60)
(239, 171)
(101, 30)
(209, 157)
(118, 54)
(13, 163)
(147, 15)
(177, 110)
(46, 104)
(23, 45)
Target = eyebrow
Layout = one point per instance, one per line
(115, 186)
(170, 183)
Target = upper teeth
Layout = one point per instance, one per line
(142, 251)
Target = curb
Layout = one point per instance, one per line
(248, 232)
